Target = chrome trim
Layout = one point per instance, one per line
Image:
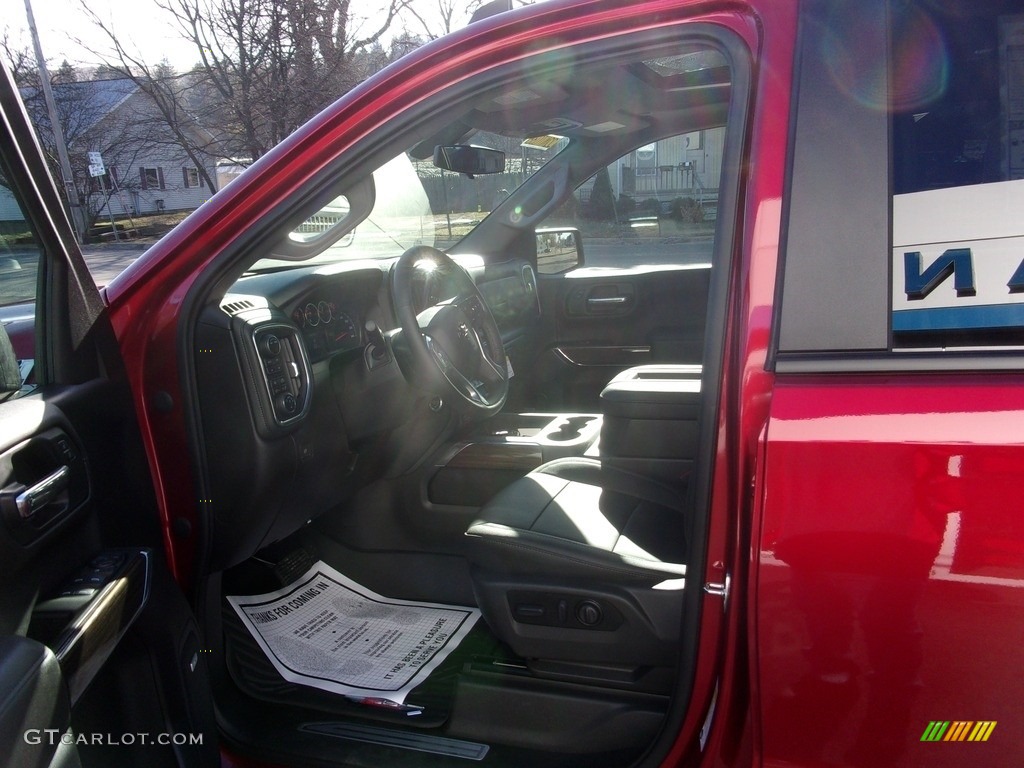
(721, 590)
(298, 350)
(565, 353)
(31, 500)
(529, 276)
(91, 636)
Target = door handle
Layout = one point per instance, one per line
(607, 301)
(34, 498)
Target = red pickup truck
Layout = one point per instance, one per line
(603, 384)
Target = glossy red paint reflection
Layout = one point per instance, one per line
(891, 568)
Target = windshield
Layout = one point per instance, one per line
(651, 107)
(401, 216)
(414, 203)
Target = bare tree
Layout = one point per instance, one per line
(264, 66)
(168, 93)
(439, 20)
(21, 62)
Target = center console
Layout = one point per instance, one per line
(650, 421)
(470, 472)
(648, 426)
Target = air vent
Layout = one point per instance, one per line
(235, 307)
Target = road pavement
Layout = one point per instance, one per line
(108, 262)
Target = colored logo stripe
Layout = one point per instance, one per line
(935, 730)
(958, 730)
(982, 730)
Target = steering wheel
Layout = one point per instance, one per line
(454, 346)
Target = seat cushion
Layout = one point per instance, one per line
(575, 518)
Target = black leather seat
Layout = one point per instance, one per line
(581, 561)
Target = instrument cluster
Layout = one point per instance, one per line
(327, 328)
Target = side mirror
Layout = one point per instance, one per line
(10, 372)
(558, 250)
(469, 159)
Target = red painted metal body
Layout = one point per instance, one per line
(890, 569)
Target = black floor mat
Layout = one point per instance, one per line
(328, 729)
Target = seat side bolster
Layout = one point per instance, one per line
(592, 472)
(513, 549)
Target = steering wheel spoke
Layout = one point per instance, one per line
(475, 391)
(454, 346)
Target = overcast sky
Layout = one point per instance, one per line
(63, 22)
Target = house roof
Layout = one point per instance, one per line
(101, 96)
(104, 95)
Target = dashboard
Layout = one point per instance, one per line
(328, 305)
(303, 402)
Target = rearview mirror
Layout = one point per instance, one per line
(468, 159)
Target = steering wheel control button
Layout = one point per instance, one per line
(439, 354)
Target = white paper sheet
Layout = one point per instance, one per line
(328, 632)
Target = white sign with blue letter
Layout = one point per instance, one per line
(958, 259)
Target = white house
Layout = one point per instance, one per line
(145, 169)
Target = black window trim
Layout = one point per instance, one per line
(889, 359)
(68, 305)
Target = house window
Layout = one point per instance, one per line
(191, 177)
(152, 178)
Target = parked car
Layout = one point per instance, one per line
(733, 490)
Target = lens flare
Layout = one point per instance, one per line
(857, 59)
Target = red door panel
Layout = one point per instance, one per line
(891, 570)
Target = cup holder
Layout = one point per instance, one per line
(570, 429)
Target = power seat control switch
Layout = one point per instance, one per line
(589, 613)
(555, 609)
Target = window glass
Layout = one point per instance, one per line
(655, 205)
(957, 95)
(416, 203)
(323, 221)
(152, 178)
(19, 274)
